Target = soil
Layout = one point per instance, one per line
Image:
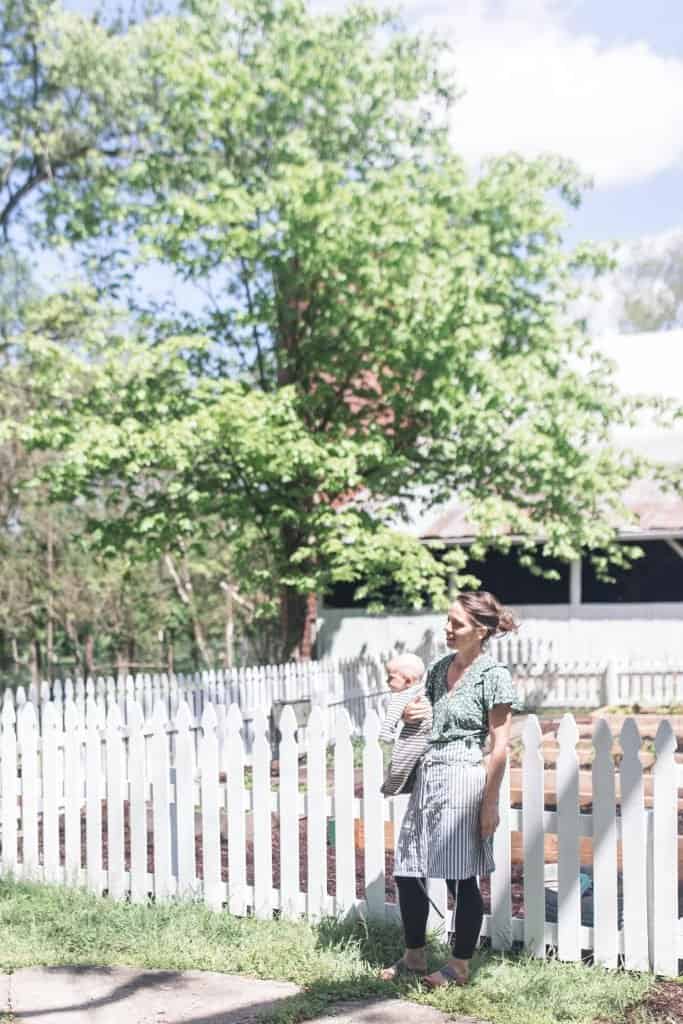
(662, 1005)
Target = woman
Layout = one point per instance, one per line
(452, 814)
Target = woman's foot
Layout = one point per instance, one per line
(413, 962)
(455, 972)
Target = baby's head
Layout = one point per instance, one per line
(403, 671)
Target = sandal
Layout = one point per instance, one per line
(400, 969)
(449, 974)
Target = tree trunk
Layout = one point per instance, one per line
(89, 655)
(19, 662)
(169, 654)
(232, 598)
(72, 634)
(35, 660)
(308, 638)
(229, 656)
(298, 613)
(183, 584)
(121, 663)
(50, 630)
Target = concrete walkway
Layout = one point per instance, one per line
(125, 995)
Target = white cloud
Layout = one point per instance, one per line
(533, 86)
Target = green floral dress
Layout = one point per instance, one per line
(440, 836)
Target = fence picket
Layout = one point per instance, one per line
(79, 697)
(605, 920)
(634, 850)
(262, 818)
(533, 837)
(137, 811)
(10, 785)
(501, 892)
(115, 779)
(184, 770)
(289, 814)
(51, 777)
(344, 845)
(28, 749)
(161, 804)
(210, 797)
(236, 808)
(73, 791)
(568, 889)
(316, 830)
(373, 817)
(93, 795)
(664, 946)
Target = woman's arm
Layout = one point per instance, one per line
(500, 717)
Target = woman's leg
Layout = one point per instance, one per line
(469, 913)
(414, 906)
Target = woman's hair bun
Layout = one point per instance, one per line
(487, 611)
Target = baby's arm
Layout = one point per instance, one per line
(392, 719)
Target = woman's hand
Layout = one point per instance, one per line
(416, 711)
(489, 818)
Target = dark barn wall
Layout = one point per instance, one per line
(657, 577)
(514, 584)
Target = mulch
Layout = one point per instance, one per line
(663, 1005)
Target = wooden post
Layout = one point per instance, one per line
(575, 584)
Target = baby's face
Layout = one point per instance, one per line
(396, 681)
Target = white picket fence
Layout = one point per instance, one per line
(165, 788)
(358, 684)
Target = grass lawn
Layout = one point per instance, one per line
(332, 961)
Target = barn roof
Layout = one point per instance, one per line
(658, 515)
(645, 364)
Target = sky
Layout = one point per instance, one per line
(600, 81)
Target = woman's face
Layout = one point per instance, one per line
(462, 632)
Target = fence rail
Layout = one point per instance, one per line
(184, 815)
(541, 680)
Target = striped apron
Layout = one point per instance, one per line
(440, 837)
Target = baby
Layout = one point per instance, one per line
(404, 676)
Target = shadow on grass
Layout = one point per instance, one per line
(379, 944)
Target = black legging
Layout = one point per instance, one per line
(469, 913)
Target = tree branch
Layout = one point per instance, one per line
(254, 328)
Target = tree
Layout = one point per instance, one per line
(68, 101)
(381, 327)
(649, 282)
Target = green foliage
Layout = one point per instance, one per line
(69, 103)
(383, 330)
